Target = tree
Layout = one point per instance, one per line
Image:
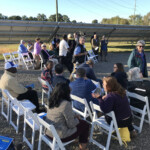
(25, 17)
(74, 21)
(14, 18)
(41, 17)
(32, 18)
(146, 19)
(95, 21)
(137, 19)
(66, 18)
(61, 18)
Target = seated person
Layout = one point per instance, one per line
(59, 75)
(82, 87)
(47, 74)
(46, 56)
(22, 48)
(136, 81)
(117, 101)
(9, 82)
(30, 48)
(88, 66)
(120, 75)
(60, 114)
(51, 50)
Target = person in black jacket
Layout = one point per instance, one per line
(120, 75)
(88, 66)
(44, 54)
(58, 78)
(139, 86)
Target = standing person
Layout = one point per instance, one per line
(63, 50)
(138, 59)
(95, 45)
(80, 53)
(117, 101)
(76, 38)
(120, 75)
(92, 38)
(104, 48)
(56, 38)
(37, 50)
(68, 125)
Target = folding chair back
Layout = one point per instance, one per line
(100, 122)
(143, 112)
(87, 111)
(97, 84)
(27, 60)
(55, 143)
(92, 56)
(45, 83)
(16, 57)
(33, 123)
(7, 57)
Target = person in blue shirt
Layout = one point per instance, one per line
(22, 48)
(82, 87)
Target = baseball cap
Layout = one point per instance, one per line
(9, 65)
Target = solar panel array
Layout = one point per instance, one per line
(11, 31)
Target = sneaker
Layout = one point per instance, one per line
(133, 134)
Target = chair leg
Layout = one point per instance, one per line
(24, 131)
(18, 118)
(109, 136)
(91, 134)
(42, 97)
(142, 119)
(33, 136)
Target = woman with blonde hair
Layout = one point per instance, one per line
(116, 100)
(136, 84)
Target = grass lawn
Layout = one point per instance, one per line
(112, 47)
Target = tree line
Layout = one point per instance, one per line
(136, 20)
(132, 20)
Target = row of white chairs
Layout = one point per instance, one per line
(18, 57)
(101, 121)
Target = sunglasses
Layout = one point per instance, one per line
(44, 46)
(141, 46)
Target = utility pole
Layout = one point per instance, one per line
(56, 10)
(134, 13)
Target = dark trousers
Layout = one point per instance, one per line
(64, 61)
(122, 123)
(82, 132)
(32, 96)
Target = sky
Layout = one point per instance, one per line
(79, 10)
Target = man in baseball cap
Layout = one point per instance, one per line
(9, 82)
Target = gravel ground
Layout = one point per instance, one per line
(141, 142)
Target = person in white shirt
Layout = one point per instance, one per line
(63, 50)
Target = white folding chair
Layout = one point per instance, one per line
(5, 101)
(55, 143)
(16, 57)
(87, 112)
(7, 57)
(47, 92)
(143, 112)
(105, 127)
(31, 120)
(97, 84)
(92, 56)
(27, 60)
(18, 107)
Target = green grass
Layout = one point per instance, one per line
(112, 47)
